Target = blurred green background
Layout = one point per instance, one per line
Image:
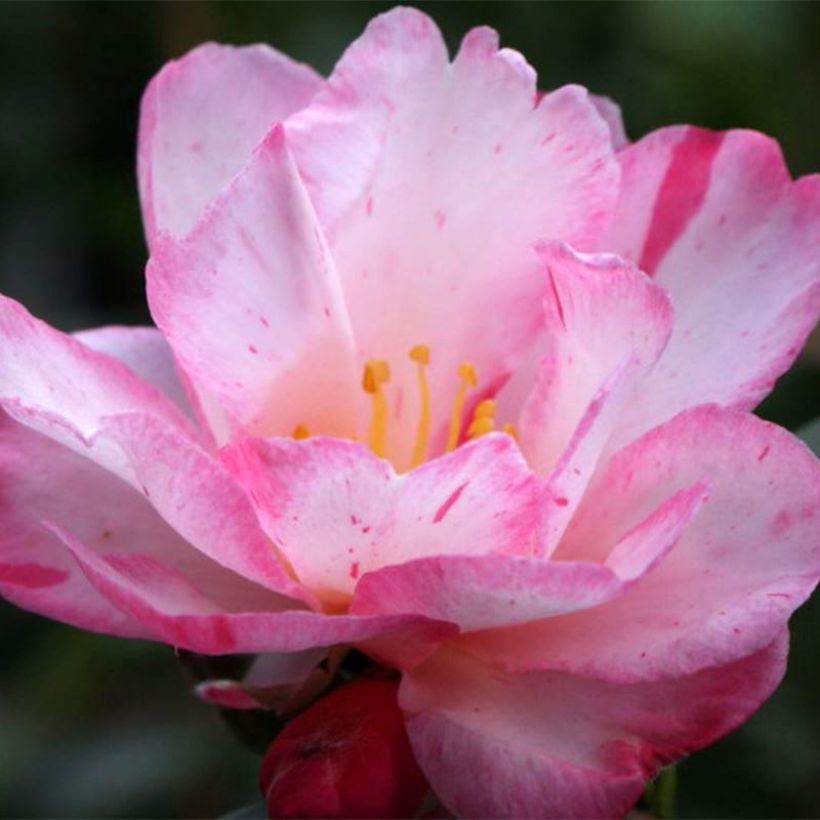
(91, 726)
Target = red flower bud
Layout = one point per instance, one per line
(346, 756)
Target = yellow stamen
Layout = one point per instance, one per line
(485, 409)
(510, 430)
(468, 379)
(480, 427)
(376, 373)
(420, 354)
(483, 421)
(300, 432)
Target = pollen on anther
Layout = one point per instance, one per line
(300, 432)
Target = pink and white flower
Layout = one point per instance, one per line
(404, 396)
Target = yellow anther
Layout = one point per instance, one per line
(468, 379)
(480, 426)
(300, 432)
(376, 373)
(485, 409)
(467, 372)
(510, 430)
(420, 354)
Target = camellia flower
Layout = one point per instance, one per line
(447, 371)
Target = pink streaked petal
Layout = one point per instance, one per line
(602, 315)
(480, 593)
(251, 305)
(716, 219)
(470, 130)
(53, 383)
(178, 613)
(41, 481)
(146, 352)
(747, 560)
(554, 745)
(201, 118)
(194, 493)
(606, 324)
(336, 511)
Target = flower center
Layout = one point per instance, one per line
(376, 374)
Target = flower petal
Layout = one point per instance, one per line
(480, 592)
(201, 118)
(181, 614)
(337, 512)
(745, 563)
(194, 493)
(547, 744)
(606, 325)
(146, 352)
(716, 219)
(43, 482)
(250, 304)
(53, 383)
(471, 172)
(602, 315)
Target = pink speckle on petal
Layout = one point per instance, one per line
(764, 452)
(253, 349)
(448, 504)
(354, 569)
(369, 206)
(440, 218)
(561, 502)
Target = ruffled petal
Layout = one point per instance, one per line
(605, 326)
(194, 493)
(180, 613)
(200, 120)
(250, 304)
(716, 219)
(44, 485)
(470, 173)
(742, 566)
(552, 745)
(481, 592)
(59, 386)
(337, 512)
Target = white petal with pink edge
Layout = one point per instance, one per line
(42, 482)
(251, 306)
(357, 514)
(747, 560)
(179, 612)
(59, 386)
(605, 326)
(552, 745)
(479, 592)
(470, 173)
(201, 118)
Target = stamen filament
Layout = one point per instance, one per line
(421, 355)
(376, 373)
(468, 379)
